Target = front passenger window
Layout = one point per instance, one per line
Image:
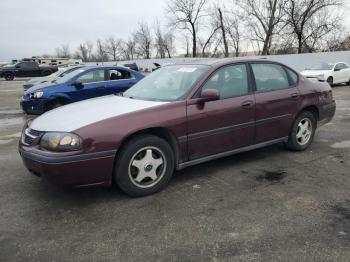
(92, 77)
(230, 81)
(270, 77)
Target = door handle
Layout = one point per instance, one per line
(247, 104)
(294, 95)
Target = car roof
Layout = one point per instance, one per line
(223, 61)
(105, 67)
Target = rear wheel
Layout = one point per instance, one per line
(9, 76)
(303, 131)
(330, 81)
(144, 166)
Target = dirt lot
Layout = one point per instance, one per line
(265, 205)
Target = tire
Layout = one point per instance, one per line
(302, 132)
(330, 81)
(144, 166)
(9, 76)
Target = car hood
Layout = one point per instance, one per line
(40, 80)
(314, 72)
(39, 86)
(74, 116)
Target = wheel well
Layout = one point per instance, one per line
(53, 102)
(161, 132)
(313, 110)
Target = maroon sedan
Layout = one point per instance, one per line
(178, 116)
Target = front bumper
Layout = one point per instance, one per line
(33, 106)
(91, 169)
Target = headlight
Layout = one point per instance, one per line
(37, 94)
(61, 142)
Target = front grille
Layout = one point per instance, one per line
(30, 135)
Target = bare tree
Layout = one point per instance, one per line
(63, 51)
(101, 54)
(234, 31)
(223, 31)
(113, 47)
(301, 18)
(84, 51)
(186, 15)
(267, 16)
(143, 40)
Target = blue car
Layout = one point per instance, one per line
(81, 84)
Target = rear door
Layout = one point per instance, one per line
(225, 124)
(119, 80)
(277, 98)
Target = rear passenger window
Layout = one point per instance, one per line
(230, 81)
(270, 77)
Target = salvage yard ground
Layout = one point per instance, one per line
(265, 205)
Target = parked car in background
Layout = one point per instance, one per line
(26, 69)
(80, 84)
(333, 73)
(178, 116)
(60, 73)
(132, 66)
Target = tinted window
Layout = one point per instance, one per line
(92, 76)
(293, 76)
(270, 77)
(230, 81)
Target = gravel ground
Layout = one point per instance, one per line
(265, 205)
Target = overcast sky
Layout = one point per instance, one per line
(35, 27)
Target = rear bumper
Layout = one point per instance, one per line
(326, 113)
(94, 169)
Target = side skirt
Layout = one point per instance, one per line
(232, 152)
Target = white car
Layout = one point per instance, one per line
(333, 73)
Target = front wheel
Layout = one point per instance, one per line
(303, 131)
(9, 76)
(144, 166)
(330, 81)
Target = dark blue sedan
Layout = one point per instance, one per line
(81, 84)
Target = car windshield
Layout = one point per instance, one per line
(68, 76)
(69, 70)
(169, 83)
(323, 66)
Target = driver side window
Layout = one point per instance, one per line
(230, 81)
(92, 77)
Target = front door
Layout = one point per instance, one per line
(276, 98)
(93, 85)
(225, 124)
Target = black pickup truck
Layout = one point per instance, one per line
(26, 69)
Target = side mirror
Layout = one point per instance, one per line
(209, 95)
(78, 84)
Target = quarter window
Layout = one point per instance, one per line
(270, 77)
(293, 76)
(92, 76)
(230, 81)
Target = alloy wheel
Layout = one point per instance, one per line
(147, 167)
(304, 131)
